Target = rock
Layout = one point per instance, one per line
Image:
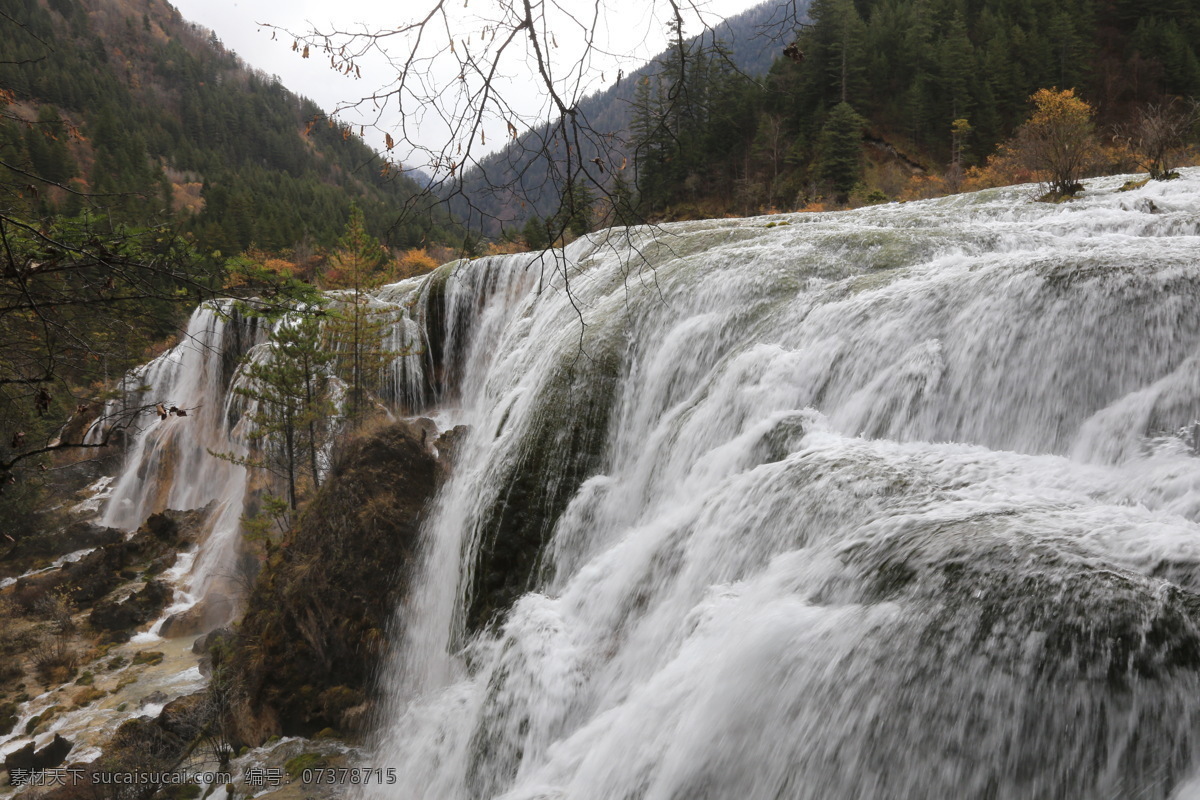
(96, 574)
(205, 643)
(77, 536)
(448, 445)
(149, 657)
(356, 719)
(152, 699)
(48, 757)
(135, 610)
(218, 644)
(322, 603)
(186, 716)
(212, 611)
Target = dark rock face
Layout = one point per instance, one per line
(48, 757)
(315, 622)
(77, 536)
(115, 561)
(565, 449)
(119, 619)
(8, 718)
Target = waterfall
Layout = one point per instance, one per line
(888, 503)
(169, 462)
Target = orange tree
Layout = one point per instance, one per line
(1058, 141)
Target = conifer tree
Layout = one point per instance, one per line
(840, 160)
(289, 384)
(534, 234)
(358, 265)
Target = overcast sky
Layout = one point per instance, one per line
(633, 30)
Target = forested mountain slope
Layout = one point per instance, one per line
(923, 84)
(879, 99)
(517, 183)
(127, 101)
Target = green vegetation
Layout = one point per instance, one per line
(154, 118)
(889, 99)
(289, 386)
(315, 621)
(137, 156)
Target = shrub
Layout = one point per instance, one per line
(1058, 141)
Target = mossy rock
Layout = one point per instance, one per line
(564, 448)
(148, 657)
(344, 566)
(87, 695)
(295, 766)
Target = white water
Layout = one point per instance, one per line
(884, 504)
(169, 463)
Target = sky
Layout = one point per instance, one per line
(627, 34)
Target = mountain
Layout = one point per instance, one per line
(516, 183)
(878, 100)
(148, 113)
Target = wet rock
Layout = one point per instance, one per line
(216, 646)
(449, 443)
(563, 449)
(152, 699)
(77, 536)
(167, 532)
(162, 563)
(356, 720)
(186, 716)
(317, 616)
(122, 617)
(48, 757)
(209, 613)
(210, 640)
(94, 575)
(8, 718)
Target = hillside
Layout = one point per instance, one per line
(510, 186)
(888, 99)
(148, 113)
(880, 101)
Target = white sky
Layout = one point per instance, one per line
(632, 31)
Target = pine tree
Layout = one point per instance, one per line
(358, 265)
(535, 235)
(289, 385)
(840, 160)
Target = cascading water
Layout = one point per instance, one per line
(169, 462)
(877, 504)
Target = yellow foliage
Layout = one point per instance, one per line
(1058, 141)
(504, 248)
(414, 261)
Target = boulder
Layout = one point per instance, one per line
(317, 615)
(211, 612)
(217, 645)
(48, 757)
(137, 609)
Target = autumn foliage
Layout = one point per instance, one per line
(1058, 141)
